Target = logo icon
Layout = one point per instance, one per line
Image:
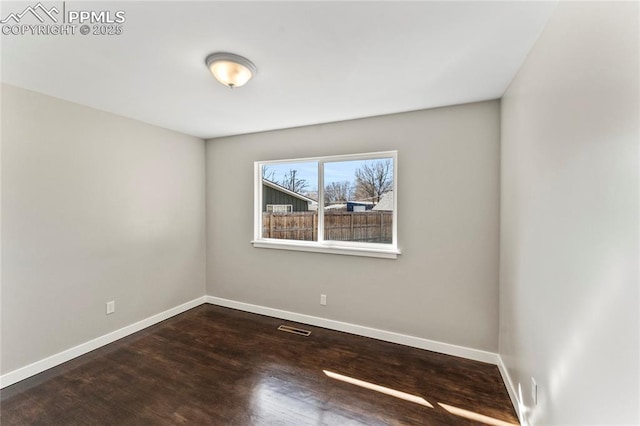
(33, 10)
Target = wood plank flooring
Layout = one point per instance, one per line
(218, 366)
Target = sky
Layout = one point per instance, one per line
(338, 171)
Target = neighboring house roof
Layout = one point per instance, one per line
(386, 202)
(336, 207)
(287, 191)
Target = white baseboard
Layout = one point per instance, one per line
(64, 356)
(513, 393)
(387, 336)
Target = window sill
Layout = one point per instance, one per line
(327, 248)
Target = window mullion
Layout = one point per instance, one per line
(320, 201)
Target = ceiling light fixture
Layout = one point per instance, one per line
(230, 69)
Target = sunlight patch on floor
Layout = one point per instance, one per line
(474, 416)
(378, 388)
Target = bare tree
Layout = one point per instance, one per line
(374, 179)
(268, 174)
(292, 182)
(311, 194)
(337, 192)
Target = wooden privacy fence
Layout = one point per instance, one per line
(369, 226)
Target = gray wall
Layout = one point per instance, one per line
(569, 219)
(443, 287)
(95, 207)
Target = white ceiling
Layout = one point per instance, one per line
(317, 61)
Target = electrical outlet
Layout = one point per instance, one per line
(323, 299)
(534, 391)
(111, 307)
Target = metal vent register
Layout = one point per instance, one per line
(294, 330)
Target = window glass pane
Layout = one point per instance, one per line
(358, 198)
(290, 201)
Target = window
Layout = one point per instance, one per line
(279, 208)
(340, 204)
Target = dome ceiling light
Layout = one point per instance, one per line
(230, 69)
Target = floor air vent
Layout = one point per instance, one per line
(294, 330)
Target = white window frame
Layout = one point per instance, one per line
(277, 208)
(353, 248)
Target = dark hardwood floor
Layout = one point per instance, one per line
(218, 366)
